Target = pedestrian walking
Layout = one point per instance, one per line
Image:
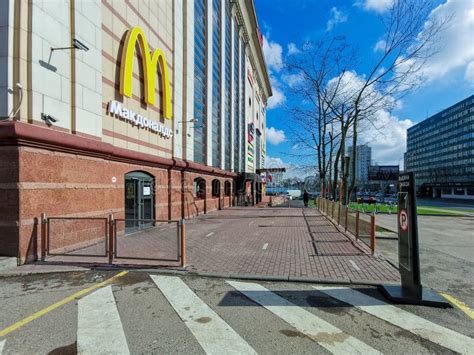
(305, 198)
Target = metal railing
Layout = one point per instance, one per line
(98, 237)
(350, 220)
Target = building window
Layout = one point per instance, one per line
(216, 82)
(199, 188)
(228, 83)
(236, 98)
(216, 188)
(459, 191)
(200, 80)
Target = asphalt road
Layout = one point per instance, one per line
(143, 313)
(446, 253)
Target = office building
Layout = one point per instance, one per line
(440, 152)
(142, 109)
(363, 160)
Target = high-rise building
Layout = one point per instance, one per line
(363, 160)
(440, 152)
(148, 109)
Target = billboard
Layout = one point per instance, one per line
(383, 172)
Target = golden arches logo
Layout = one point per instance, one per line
(150, 62)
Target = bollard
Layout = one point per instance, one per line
(372, 233)
(357, 224)
(111, 238)
(183, 243)
(339, 213)
(43, 236)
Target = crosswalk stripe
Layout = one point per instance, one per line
(99, 329)
(317, 329)
(2, 345)
(213, 334)
(403, 319)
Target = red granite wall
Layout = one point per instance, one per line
(69, 185)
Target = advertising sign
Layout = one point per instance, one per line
(383, 172)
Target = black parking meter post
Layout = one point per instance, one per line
(411, 290)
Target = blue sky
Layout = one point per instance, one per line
(449, 75)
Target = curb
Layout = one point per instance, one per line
(184, 272)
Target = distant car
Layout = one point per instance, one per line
(368, 200)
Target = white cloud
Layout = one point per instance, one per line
(293, 49)
(275, 136)
(387, 139)
(272, 163)
(292, 79)
(278, 97)
(273, 54)
(469, 74)
(378, 6)
(455, 43)
(380, 46)
(337, 16)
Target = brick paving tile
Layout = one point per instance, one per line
(285, 242)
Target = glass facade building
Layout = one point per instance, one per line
(228, 85)
(440, 152)
(200, 80)
(236, 94)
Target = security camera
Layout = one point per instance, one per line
(48, 119)
(79, 45)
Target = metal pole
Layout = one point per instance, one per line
(339, 212)
(357, 224)
(372, 233)
(183, 243)
(43, 236)
(346, 214)
(112, 225)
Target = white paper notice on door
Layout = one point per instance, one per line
(146, 190)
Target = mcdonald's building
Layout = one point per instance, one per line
(140, 109)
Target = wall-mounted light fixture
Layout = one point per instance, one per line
(76, 44)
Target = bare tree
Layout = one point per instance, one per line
(335, 102)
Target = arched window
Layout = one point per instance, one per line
(227, 188)
(216, 188)
(200, 188)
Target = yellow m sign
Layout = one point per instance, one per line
(150, 62)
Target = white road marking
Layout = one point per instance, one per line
(354, 265)
(403, 319)
(2, 345)
(210, 234)
(99, 329)
(317, 329)
(213, 334)
(265, 246)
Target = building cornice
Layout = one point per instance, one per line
(16, 133)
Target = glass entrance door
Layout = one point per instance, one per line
(139, 201)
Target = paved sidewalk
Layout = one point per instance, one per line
(283, 243)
